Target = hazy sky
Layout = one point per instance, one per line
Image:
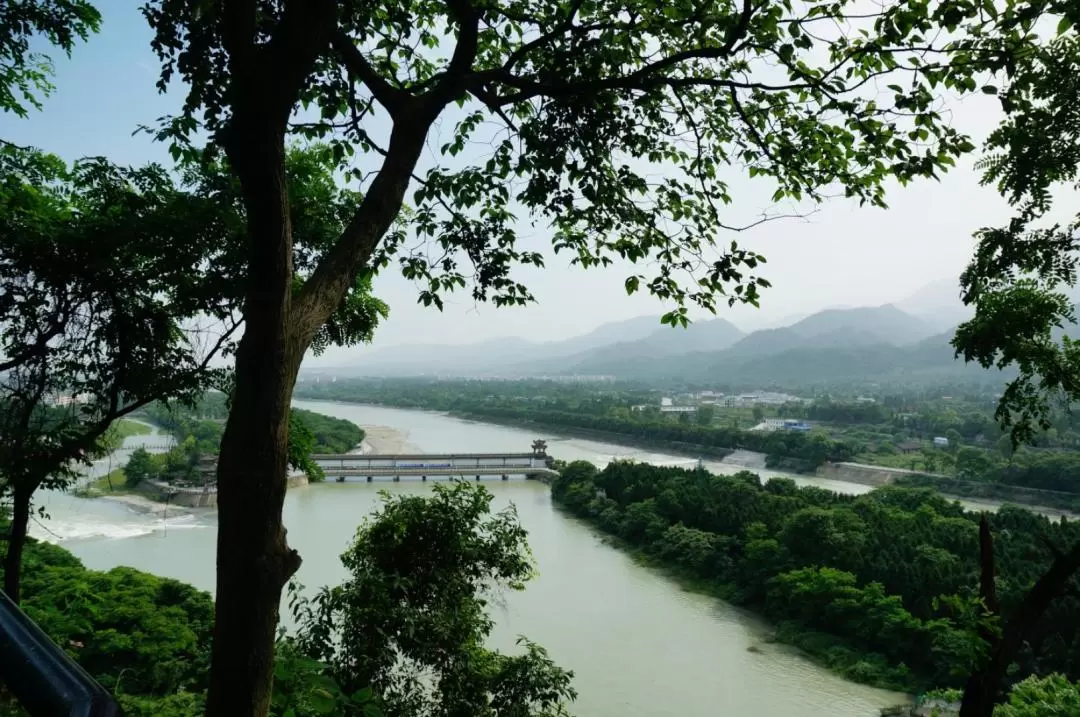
(842, 255)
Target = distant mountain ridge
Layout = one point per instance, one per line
(830, 345)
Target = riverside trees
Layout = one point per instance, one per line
(585, 104)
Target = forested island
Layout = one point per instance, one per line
(882, 587)
(197, 429)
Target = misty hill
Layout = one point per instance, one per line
(930, 360)
(832, 346)
(836, 328)
(664, 342)
(937, 304)
(493, 355)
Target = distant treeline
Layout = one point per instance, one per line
(791, 449)
(881, 587)
(788, 449)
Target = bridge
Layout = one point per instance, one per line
(533, 466)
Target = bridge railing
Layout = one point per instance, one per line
(41, 676)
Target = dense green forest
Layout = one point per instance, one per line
(144, 638)
(882, 587)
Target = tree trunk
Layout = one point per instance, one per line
(983, 688)
(20, 522)
(254, 562)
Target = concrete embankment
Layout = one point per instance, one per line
(865, 474)
(195, 497)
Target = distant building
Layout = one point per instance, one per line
(784, 424)
(677, 409)
(909, 446)
(941, 442)
(206, 469)
(762, 398)
(665, 401)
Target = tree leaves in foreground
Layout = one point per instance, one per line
(411, 620)
(118, 288)
(25, 75)
(1022, 316)
(1016, 279)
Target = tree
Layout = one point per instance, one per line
(24, 75)
(1015, 282)
(100, 266)
(705, 415)
(590, 101)
(411, 620)
(955, 439)
(70, 237)
(1041, 697)
(140, 466)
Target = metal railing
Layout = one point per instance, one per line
(41, 676)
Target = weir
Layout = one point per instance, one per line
(534, 465)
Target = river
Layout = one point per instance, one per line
(638, 644)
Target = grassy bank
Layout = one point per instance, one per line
(125, 429)
(113, 482)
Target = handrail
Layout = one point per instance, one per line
(43, 678)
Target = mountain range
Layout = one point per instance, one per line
(903, 341)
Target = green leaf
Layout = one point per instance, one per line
(323, 702)
(362, 696)
(1063, 25)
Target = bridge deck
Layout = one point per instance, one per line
(466, 471)
(415, 456)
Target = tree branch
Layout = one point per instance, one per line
(323, 290)
(300, 37)
(454, 81)
(393, 99)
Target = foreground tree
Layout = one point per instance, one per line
(118, 288)
(1017, 282)
(99, 268)
(611, 122)
(411, 620)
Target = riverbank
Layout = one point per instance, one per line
(1049, 503)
